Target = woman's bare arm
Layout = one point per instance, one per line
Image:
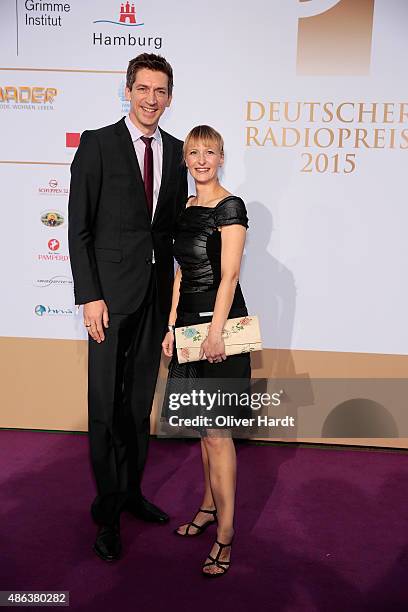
(168, 341)
(232, 248)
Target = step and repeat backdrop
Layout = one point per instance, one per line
(311, 97)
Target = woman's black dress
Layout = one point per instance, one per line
(197, 249)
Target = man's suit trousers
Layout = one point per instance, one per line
(122, 373)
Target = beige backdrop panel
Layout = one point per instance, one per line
(44, 381)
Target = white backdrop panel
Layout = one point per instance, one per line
(326, 256)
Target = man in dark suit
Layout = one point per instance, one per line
(128, 184)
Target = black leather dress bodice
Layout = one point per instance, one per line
(197, 245)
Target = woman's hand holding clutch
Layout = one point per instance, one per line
(213, 348)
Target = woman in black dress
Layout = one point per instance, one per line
(209, 243)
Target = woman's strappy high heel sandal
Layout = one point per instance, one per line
(222, 565)
(200, 528)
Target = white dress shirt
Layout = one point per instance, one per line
(140, 147)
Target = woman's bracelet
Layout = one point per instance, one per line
(171, 328)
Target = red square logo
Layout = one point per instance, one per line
(72, 139)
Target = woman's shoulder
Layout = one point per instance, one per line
(230, 200)
(188, 203)
(231, 210)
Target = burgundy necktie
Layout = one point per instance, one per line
(148, 173)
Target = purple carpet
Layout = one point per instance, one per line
(316, 530)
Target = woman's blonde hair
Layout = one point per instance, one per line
(206, 134)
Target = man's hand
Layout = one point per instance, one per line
(96, 317)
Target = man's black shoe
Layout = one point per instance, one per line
(107, 544)
(146, 511)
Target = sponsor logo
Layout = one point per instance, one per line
(40, 310)
(17, 97)
(334, 37)
(126, 16)
(43, 310)
(53, 244)
(72, 139)
(53, 281)
(52, 255)
(45, 14)
(52, 218)
(122, 98)
(53, 189)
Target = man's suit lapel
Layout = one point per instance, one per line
(166, 171)
(128, 147)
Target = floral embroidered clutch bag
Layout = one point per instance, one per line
(240, 335)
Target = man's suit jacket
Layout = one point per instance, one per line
(111, 237)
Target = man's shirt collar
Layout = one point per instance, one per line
(135, 133)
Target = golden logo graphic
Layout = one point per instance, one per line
(36, 95)
(330, 134)
(334, 37)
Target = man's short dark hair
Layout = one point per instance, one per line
(151, 61)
